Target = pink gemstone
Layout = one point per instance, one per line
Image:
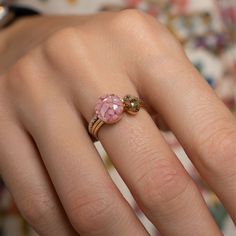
(109, 108)
(110, 112)
(98, 106)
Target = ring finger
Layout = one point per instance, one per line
(152, 172)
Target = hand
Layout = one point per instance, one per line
(48, 160)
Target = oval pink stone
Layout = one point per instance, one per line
(109, 108)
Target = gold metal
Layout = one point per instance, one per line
(131, 105)
(94, 125)
(95, 130)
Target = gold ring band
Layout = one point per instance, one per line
(110, 108)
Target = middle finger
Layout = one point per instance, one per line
(91, 201)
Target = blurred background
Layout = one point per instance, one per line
(207, 31)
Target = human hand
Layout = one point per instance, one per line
(48, 160)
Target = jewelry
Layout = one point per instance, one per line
(9, 13)
(110, 108)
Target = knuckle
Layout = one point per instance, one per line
(91, 213)
(142, 29)
(128, 19)
(37, 208)
(227, 146)
(136, 22)
(20, 73)
(130, 15)
(62, 37)
(218, 151)
(159, 182)
(61, 43)
(24, 84)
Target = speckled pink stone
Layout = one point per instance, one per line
(109, 108)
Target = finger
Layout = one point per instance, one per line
(92, 202)
(26, 179)
(160, 122)
(155, 177)
(203, 125)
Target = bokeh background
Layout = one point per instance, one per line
(207, 31)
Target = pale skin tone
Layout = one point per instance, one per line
(52, 74)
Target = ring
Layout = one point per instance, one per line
(110, 108)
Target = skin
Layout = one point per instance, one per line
(51, 78)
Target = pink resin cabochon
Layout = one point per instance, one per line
(109, 108)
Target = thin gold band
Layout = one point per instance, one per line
(96, 123)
